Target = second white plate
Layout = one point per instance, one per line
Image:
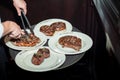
(23, 60)
(86, 43)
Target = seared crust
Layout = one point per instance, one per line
(71, 42)
(39, 57)
(30, 41)
(44, 51)
(50, 30)
(58, 26)
(47, 30)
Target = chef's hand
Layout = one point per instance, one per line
(20, 4)
(12, 28)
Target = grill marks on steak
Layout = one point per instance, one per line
(44, 51)
(29, 41)
(47, 30)
(70, 42)
(58, 26)
(50, 30)
(39, 57)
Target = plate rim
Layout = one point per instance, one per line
(44, 70)
(53, 39)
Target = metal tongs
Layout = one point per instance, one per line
(24, 18)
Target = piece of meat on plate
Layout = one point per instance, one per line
(40, 55)
(37, 59)
(70, 42)
(44, 51)
(47, 30)
(58, 26)
(24, 41)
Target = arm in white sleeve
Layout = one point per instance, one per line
(1, 29)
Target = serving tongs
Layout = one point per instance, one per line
(24, 19)
(26, 35)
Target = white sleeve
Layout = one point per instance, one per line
(1, 29)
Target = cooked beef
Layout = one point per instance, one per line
(24, 41)
(50, 30)
(44, 51)
(37, 59)
(71, 42)
(47, 30)
(58, 26)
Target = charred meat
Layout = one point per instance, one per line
(71, 42)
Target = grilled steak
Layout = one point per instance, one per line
(58, 26)
(71, 42)
(39, 57)
(47, 30)
(50, 30)
(29, 41)
(44, 51)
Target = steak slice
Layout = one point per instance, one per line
(44, 51)
(50, 30)
(47, 30)
(70, 42)
(37, 59)
(58, 26)
(24, 41)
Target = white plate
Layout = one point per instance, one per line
(23, 60)
(86, 43)
(41, 36)
(49, 22)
